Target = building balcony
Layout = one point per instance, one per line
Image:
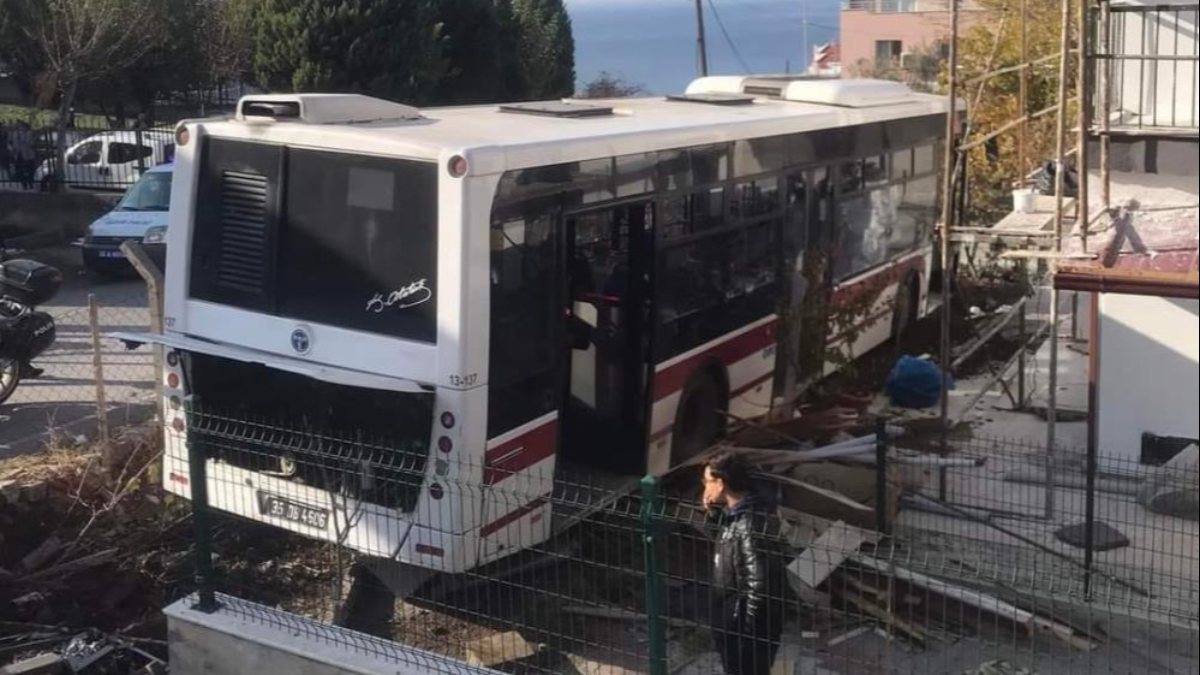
(1147, 64)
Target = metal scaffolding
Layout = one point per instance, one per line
(1043, 244)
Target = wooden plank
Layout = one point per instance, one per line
(499, 648)
(848, 635)
(983, 601)
(821, 502)
(827, 553)
(888, 618)
(1047, 255)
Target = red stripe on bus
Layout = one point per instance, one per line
(876, 281)
(512, 516)
(520, 453)
(671, 379)
(751, 384)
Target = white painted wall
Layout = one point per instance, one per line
(1149, 373)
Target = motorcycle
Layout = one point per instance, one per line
(25, 332)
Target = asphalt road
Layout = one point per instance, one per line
(63, 400)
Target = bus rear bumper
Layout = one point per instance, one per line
(314, 513)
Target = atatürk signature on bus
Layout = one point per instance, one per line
(411, 295)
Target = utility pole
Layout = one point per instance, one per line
(701, 45)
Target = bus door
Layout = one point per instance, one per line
(608, 258)
(810, 238)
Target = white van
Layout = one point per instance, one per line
(112, 160)
(141, 215)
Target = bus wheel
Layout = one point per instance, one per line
(905, 311)
(698, 421)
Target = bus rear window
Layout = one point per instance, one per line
(339, 239)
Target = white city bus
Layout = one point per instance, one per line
(394, 325)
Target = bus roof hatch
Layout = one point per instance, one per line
(324, 109)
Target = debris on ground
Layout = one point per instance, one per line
(1105, 537)
(998, 667)
(93, 548)
(498, 648)
(1174, 488)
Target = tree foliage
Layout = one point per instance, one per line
(990, 45)
(607, 85)
(545, 48)
(385, 48)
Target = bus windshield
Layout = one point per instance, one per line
(151, 193)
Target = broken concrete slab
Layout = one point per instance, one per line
(1104, 536)
(830, 550)
(42, 664)
(1174, 488)
(499, 648)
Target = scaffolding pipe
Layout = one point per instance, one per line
(1060, 140)
(1083, 153)
(1105, 76)
(948, 212)
(1023, 95)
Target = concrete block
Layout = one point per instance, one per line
(43, 664)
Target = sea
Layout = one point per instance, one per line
(652, 43)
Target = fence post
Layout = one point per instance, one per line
(881, 449)
(98, 373)
(1021, 355)
(655, 624)
(202, 533)
(141, 160)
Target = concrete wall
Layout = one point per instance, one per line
(64, 215)
(1149, 373)
(243, 638)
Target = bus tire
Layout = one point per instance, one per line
(904, 314)
(698, 422)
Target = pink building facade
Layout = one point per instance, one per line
(873, 31)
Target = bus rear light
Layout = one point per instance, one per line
(457, 166)
(175, 403)
(445, 444)
(426, 549)
(173, 381)
(441, 467)
(448, 420)
(436, 491)
(182, 136)
(173, 359)
(178, 425)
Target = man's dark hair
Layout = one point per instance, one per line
(730, 467)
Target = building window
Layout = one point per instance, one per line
(887, 50)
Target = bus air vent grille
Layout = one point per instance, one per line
(242, 253)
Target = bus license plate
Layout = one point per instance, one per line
(278, 507)
(111, 254)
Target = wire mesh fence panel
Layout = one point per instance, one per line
(557, 569)
(59, 395)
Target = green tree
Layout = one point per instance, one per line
(383, 48)
(473, 50)
(607, 85)
(990, 45)
(545, 48)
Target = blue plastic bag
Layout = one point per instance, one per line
(915, 383)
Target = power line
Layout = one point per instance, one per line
(729, 40)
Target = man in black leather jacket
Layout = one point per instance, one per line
(748, 584)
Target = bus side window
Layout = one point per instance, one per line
(525, 314)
